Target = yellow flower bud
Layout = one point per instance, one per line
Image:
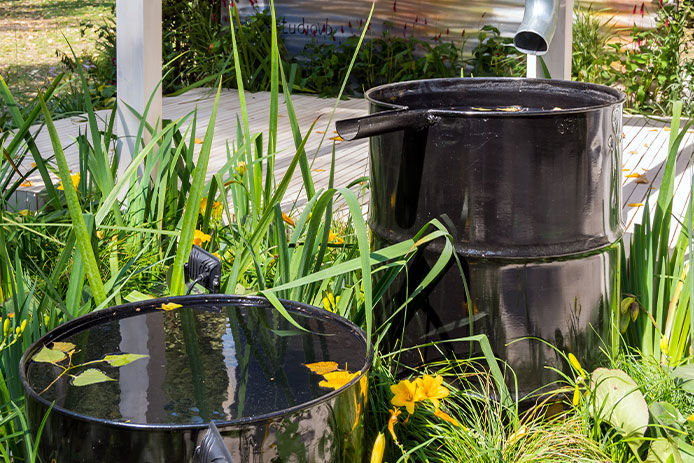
(23, 326)
(378, 449)
(6, 327)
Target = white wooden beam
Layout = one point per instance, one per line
(138, 63)
(558, 56)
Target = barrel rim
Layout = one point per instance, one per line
(617, 96)
(128, 310)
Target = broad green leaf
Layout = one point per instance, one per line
(119, 360)
(685, 377)
(63, 346)
(618, 401)
(662, 450)
(90, 376)
(47, 355)
(666, 415)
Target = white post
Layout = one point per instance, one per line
(558, 57)
(138, 62)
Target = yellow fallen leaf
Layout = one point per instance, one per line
(633, 152)
(26, 184)
(319, 170)
(646, 145)
(626, 170)
(321, 368)
(653, 130)
(33, 165)
(509, 109)
(642, 180)
(198, 141)
(336, 138)
(170, 306)
(635, 204)
(633, 175)
(320, 131)
(667, 129)
(337, 379)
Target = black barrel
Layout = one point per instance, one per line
(274, 392)
(525, 174)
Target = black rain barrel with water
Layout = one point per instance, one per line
(274, 392)
(525, 174)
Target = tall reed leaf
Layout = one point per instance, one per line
(81, 234)
(190, 215)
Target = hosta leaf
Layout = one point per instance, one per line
(119, 360)
(90, 376)
(662, 450)
(685, 377)
(63, 346)
(618, 401)
(48, 355)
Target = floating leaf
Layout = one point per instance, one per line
(90, 376)
(337, 379)
(48, 355)
(119, 360)
(63, 346)
(619, 402)
(321, 368)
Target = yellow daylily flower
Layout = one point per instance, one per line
(664, 343)
(75, 181)
(321, 368)
(392, 421)
(406, 394)
(576, 365)
(330, 301)
(378, 449)
(577, 395)
(430, 388)
(446, 417)
(287, 219)
(337, 379)
(333, 238)
(199, 237)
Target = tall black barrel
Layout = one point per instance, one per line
(525, 174)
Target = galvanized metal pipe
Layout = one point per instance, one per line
(537, 28)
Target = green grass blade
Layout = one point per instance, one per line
(190, 215)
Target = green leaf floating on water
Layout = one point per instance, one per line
(90, 376)
(119, 360)
(63, 346)
(619, 402)
(47, 355)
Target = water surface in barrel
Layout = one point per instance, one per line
(199, 364)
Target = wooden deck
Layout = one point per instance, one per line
(644, 141)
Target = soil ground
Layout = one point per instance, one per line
(34, 34)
